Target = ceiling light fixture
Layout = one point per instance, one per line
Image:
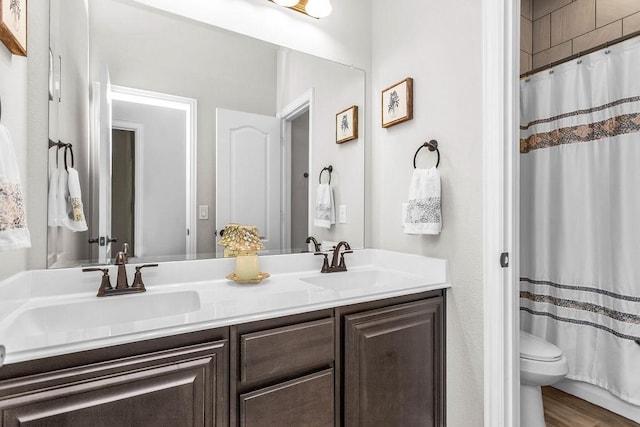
(313, 8)
(286, 3)
(318, 8)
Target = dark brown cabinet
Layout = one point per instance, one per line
(379, 363)
(393, 366)
(285, 372)
(306, 401)
(180, 387)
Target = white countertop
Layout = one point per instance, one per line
(45, 313)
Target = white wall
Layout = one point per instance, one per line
(13, 91)
(163, 198)
(170, 54)
(439, 44)
(23, 81)
(69, 114)
(336, 88)
(343, 36)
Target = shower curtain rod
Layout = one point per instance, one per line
(580, 54)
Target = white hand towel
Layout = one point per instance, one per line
(62, 196)
(424, 211)
(14, 233)
(52, 214)
(74, 219)
(325, 214)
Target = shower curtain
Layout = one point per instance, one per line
(580, 215)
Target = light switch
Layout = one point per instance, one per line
(342, 214)
(203, 212)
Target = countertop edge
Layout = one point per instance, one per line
(93, 344)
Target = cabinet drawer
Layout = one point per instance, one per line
(274, 353)
(307, 401)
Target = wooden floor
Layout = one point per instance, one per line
(564, 410)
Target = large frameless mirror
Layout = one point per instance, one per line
(178, 127)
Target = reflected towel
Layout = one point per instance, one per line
(424, 210)
(52, 214)
(14, 233)
(325, 212)
(74, 211)
(62, 196)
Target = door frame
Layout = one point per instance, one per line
(138, 132)
(189, 106)
(500, 64)
(293, 110)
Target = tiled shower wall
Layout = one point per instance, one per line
(552, 30)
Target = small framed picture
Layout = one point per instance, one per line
(347, 125)
(397, 103)
(13, 25)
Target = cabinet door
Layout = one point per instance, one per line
(393, 366)
(182, 387)
(303, 402)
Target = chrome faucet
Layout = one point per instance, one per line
(336, 265)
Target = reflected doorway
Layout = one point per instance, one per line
(299, 182)
(123, 186)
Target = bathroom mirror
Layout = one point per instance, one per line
(102, 49)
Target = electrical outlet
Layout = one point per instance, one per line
(203, 212)
(342, 214)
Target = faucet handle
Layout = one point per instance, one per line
(105, 283)
(125, 250)
(137, 278)
(342, 264)
(325, 263)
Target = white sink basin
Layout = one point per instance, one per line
(107, 311)
(364, 280)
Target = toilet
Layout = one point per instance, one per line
(541, 363)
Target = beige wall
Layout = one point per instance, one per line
(561, 28)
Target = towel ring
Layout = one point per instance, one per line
(70, 148)
(58, 146)
(432, 146)
(330, 170)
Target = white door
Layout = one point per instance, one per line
(248, 173)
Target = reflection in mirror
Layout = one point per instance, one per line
(160, 132)
(146, 177)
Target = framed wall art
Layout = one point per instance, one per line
(13, 25)
(347, 125)
(397, 103)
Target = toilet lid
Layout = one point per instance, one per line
(535, 348)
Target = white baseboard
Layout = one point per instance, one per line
(600, 397)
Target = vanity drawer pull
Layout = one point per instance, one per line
(274, 353)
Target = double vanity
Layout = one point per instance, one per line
(362, 347)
